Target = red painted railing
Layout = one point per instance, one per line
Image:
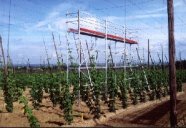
(89, 32)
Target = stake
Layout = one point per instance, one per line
(46, 52)
(88, 53)
(142, 69)
(125, 56)
(152, 60)
(143, 56)
(106, 66)
(57, 55)
(67, 58)
(8, 51)
(60, 43)
(172, 69)
(148, 54)
(28, 66)
(79, 68)
(5, 73)
(160, 61)
(162, 58)
(180, 61)
(112, 61)
(4, 63)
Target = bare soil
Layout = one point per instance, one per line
(154, 113)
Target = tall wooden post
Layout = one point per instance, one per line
(162, 59)
(172, 68)
(180, 61)
(8, 51)
(3, 56)
(79, 68)
(57, 55)
(148, 54)
(5, 72)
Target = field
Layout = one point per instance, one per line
(99, 63)
(44, 99)
(151, 113)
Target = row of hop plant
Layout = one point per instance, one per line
(129, 86)
(13, 92)
(132, 87)
(59, 92)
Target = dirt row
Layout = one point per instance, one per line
(151, 113)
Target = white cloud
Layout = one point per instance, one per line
(136, 17)
(55, 21)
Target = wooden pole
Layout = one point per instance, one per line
(106, 60)
(28, 66)
(89, 53)
(48, 59)
(57, 55)
(3, 55)
(148, 54)
(172, 68)
(180, 61)
(8, 51)
(79, 68)
(162, 65)
(5, 70)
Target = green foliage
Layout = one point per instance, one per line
(64, 95)
(8, 100)
(9, 92)
(74, 81)
(96, 80)
(54, 88)
(136, 85)
(122, 90)
(37, 91)
(112, 90)
(67, 104)
(181, 78)
(34, 123)
(1, 79)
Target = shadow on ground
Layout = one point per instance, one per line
(151, 117)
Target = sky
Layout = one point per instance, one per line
(32, 21)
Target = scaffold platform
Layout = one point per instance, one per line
(89, 32)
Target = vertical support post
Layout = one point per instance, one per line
(4, 63)
(106, 66)
(46, 52)
(5, 72)
(67, 57)
(57, 55)
(180, 61)
(125, 32)
(8, 48)
(28, 66)
(130, 55)
(90, 60)
(162, 59)
(142, 68)
(125, 53)
(172, 68)
(79, 68)
(67, 47)
(148, 55)
(115, 80)
(143, 56)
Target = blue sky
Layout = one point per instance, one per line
(31, 21)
